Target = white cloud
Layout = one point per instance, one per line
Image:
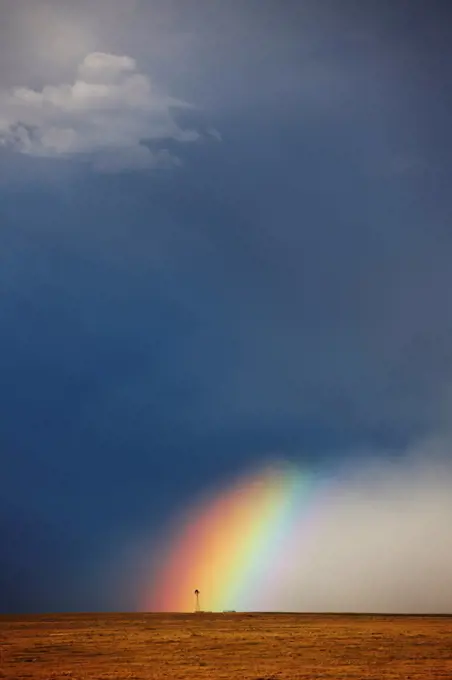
(107, 117)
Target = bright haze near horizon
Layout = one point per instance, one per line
(225, 236)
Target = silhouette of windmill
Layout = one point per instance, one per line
(197, 609)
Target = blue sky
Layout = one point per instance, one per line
(224, 234)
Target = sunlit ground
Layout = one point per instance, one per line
(214, 646)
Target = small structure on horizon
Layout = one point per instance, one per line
(197, 608)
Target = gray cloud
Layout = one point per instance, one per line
(378, 539)
(106, 115)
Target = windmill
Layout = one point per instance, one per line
(197, 609)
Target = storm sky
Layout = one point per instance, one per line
(225, 235)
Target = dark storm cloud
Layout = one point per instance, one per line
(285, 289)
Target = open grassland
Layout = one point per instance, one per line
(214, 646)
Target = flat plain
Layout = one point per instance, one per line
(229, 646)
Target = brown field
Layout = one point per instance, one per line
(214, 646)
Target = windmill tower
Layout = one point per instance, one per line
(197, 609)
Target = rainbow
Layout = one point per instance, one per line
(235, 546)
